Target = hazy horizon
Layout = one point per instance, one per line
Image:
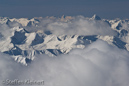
(42, 8)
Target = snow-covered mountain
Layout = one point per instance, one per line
(24, 38)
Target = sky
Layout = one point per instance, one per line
(109, 9)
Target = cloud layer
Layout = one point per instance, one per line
(79, 25)
(99, 64)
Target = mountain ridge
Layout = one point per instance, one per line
(27, 38)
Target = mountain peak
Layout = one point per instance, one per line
(95, 17)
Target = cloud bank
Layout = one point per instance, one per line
(77, 26)
(99, 64)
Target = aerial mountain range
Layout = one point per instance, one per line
(24, 38)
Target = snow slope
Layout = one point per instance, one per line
(24, 38)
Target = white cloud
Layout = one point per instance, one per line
(99, 64)
(81, 26)
(4, 30)
(77, 26)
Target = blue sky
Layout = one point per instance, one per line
(34, 8)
